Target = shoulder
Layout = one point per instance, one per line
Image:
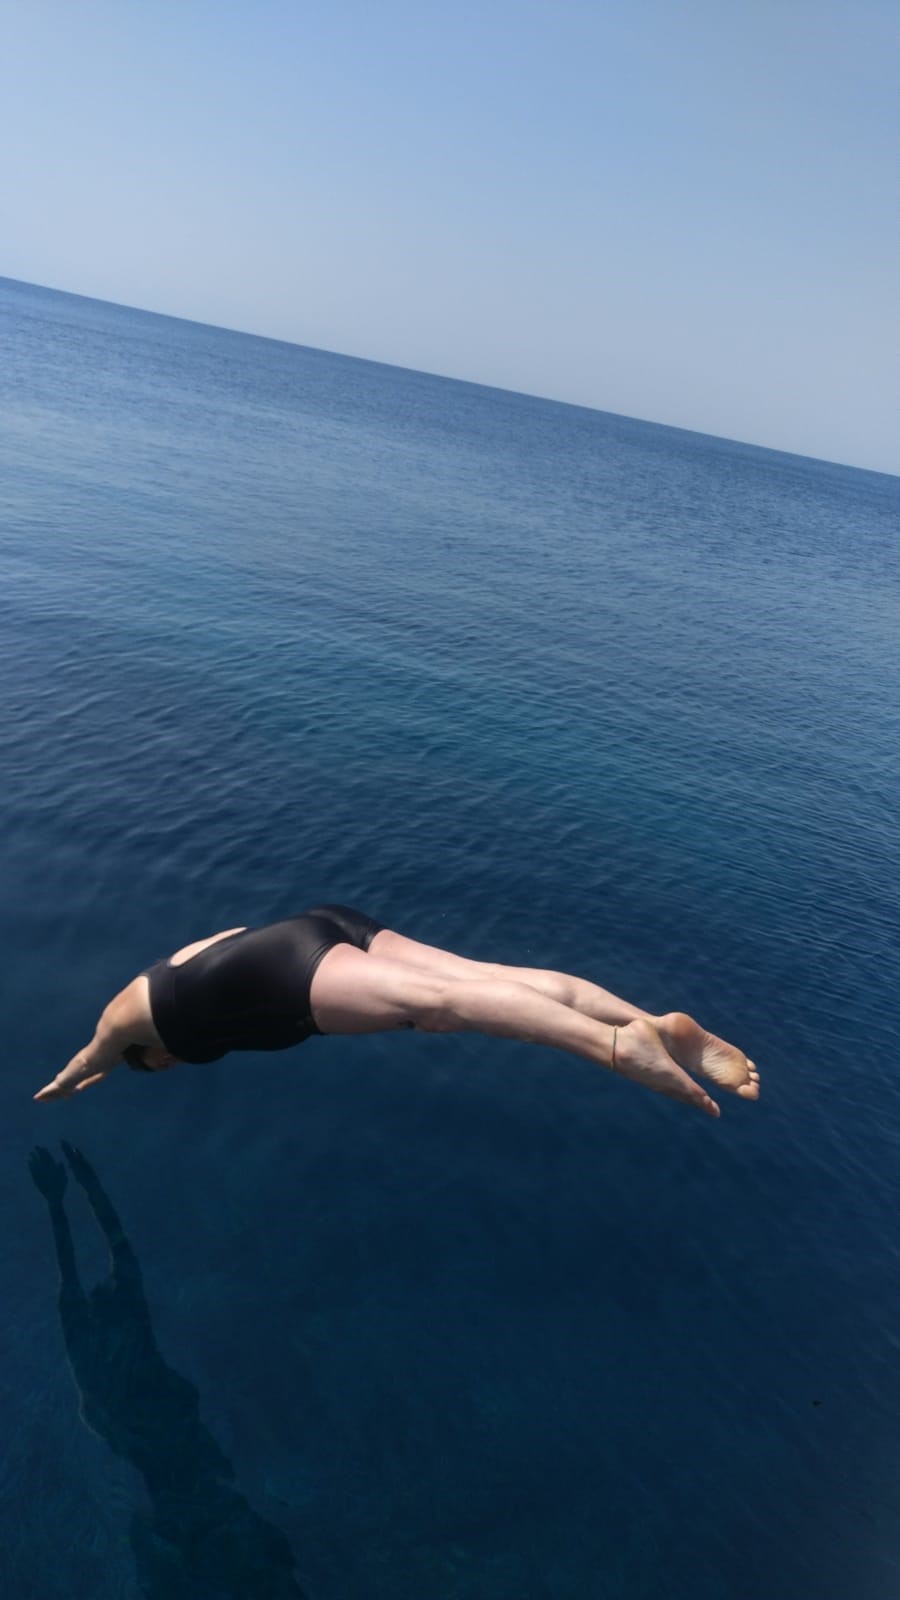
(128, 1015)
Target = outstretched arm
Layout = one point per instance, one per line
(92, 1063)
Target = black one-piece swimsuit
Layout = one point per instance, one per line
(250, 991)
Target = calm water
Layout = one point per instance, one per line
(418, 1318)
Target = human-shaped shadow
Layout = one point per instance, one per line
(203, 1541)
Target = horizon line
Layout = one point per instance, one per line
(446, 377)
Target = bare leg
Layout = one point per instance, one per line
(353, 992)
(685, 1040)
(577, 993)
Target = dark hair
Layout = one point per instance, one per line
(134, 1055)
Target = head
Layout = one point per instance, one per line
(148, 1057)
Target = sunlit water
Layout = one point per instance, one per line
(418, 1318)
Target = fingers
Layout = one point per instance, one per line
(50, 1092)
(56, 1090)
(77, 1075)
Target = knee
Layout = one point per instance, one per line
(563, 989)
(436, 1009)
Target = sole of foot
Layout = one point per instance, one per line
(710, 1057)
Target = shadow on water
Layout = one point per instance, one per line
(202, 1538)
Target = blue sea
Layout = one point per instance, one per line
(441, 1317)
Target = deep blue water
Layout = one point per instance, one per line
(442, 1318)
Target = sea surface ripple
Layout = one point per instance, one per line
(419, 1318)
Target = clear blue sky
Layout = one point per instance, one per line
(683, 210)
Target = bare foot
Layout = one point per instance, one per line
(642, 1056)
(692, 1047)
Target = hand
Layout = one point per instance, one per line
(49, 1175)
(76, 1076)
